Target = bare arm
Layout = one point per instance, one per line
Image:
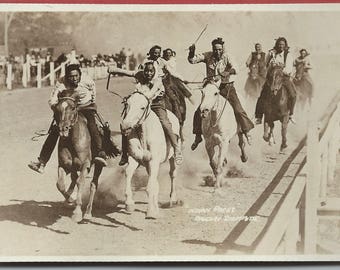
(124, 72)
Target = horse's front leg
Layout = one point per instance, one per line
(284, 126)
(176, 186)
(242, 145)
(211, 153)
(61, 185)
(77, 213)
(266, 134)
(93, 188)
(222, 147)
(129, 171)
(153, 190)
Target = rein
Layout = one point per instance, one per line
(216, 105)
(77, 114)
(220, 115)
(146, 111)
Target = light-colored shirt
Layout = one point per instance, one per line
(86, 88)
(152, 89)
(215, 67)
(305, 60)
(161, 66)
(278, 59)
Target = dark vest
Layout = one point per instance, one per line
(261, 60)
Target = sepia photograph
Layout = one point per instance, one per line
(169, 132)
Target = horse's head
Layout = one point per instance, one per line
(67, 112)
(254, 71)
(210, 96)
(275, 78)
(136, 109)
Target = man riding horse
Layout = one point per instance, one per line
(74, 80)
(219, 65)
(258, 57)
(278, 56)
(151, 85)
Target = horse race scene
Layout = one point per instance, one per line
(168, 133)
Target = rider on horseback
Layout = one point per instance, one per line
(258, 57)
(219, 65)
(278, 56)
(151, 85)
(76, 81)
(303, 59)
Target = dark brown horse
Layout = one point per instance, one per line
(303, 84)
(74, 153)
(254, 82)
(276, 105)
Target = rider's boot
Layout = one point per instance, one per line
(101, 158)
(37, 166)
(198, 140)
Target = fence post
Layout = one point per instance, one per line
(95, 73)
(324, 173)
(24, 75)
(52, 75)
(62, 70)
(39, 75)
(28, 69)
(9, 76)
(332, 151)
(312, 188)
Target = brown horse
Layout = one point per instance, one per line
(74, 153)
(276, 105)
(254, 82)
(303, 84)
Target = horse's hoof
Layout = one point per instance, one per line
(266, 139)
(87, 216)
(77, 216)
(151, 215)
(130, 208)
(283, 146)
(244, 159)
(174, 203)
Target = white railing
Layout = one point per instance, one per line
(291, 227)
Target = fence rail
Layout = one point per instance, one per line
(299, 189)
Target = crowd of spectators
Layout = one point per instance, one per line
(123, 59)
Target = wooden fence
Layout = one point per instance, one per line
(297, 196)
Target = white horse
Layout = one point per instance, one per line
(218, 128)
(148, 147)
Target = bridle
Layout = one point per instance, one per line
(216, 104)
(145, 113)
(75, 119)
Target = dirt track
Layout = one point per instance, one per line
(34, 221)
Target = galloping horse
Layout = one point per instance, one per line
(303, 84)
(218, 127)
(148, 147)
(254, 82)
(74, 153)
(276, 106)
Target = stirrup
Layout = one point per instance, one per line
(100, 161)
(123, 161)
